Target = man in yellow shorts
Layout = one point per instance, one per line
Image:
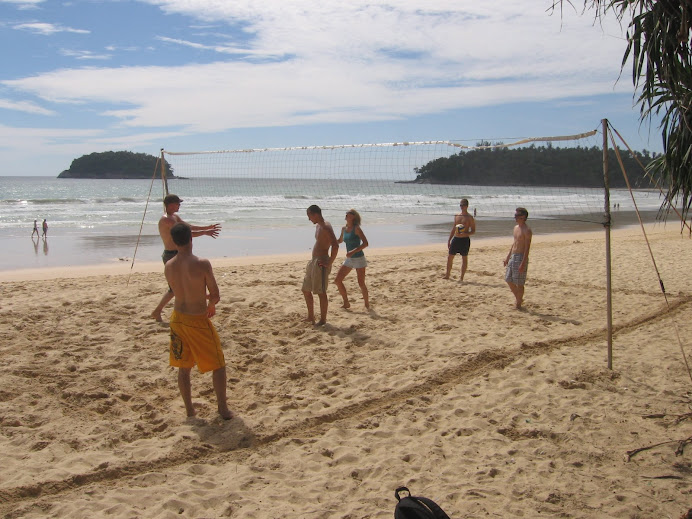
(194, 339)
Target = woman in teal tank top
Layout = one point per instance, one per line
(354, 238)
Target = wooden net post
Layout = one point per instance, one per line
(607, 225)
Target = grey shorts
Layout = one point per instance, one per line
(512, 274)
(356, 263)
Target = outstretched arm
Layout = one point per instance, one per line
(206, 230)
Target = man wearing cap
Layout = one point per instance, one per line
(167, 221)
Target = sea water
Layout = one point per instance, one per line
(95, 221)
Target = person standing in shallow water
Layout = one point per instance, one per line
(35, 229)
(354, 237)
(517, 261)
(45, 228)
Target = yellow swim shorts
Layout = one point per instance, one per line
(194, 340)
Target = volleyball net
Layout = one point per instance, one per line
(554, 177)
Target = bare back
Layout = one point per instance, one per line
(190, 277)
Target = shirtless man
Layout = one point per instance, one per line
(459, 240)
(194, 339)
(319, 267)
(167, 221)
(517, 261)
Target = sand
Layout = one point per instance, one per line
(442, 387)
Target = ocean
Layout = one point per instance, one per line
(101, 221)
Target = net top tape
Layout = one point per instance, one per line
(394, 144)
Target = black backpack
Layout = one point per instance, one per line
(410, 507)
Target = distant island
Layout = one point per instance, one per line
(534, 166)
(115, 164)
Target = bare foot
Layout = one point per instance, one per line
(309, 319)
(225, 413)
(518, 305)
(320, 323)
(445, 277)
(346, 305)
(156, 316)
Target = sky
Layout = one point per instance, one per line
(84, 76)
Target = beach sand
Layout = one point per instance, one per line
(442, 387)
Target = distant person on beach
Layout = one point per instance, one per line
(517, 261)
(45, 228)
(194, 339)
(166, 223)
(318, 268)
(352, 234)
(35, 229)
(459, 241)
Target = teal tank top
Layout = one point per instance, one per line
(353, 241)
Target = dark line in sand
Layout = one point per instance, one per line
(495, 359)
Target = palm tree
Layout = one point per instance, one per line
(658, 40)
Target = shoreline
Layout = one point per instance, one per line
(87, 249)
(125, 268)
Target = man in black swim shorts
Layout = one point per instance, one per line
(459, 241)
(168, 220)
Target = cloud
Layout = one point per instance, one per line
(84, 54)
(221, 49)
(75, 141)
(30, 140)
(47, 29)
(345, 62)
(222, 95)
(127, 48)
(23, 4)
(24, 106)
